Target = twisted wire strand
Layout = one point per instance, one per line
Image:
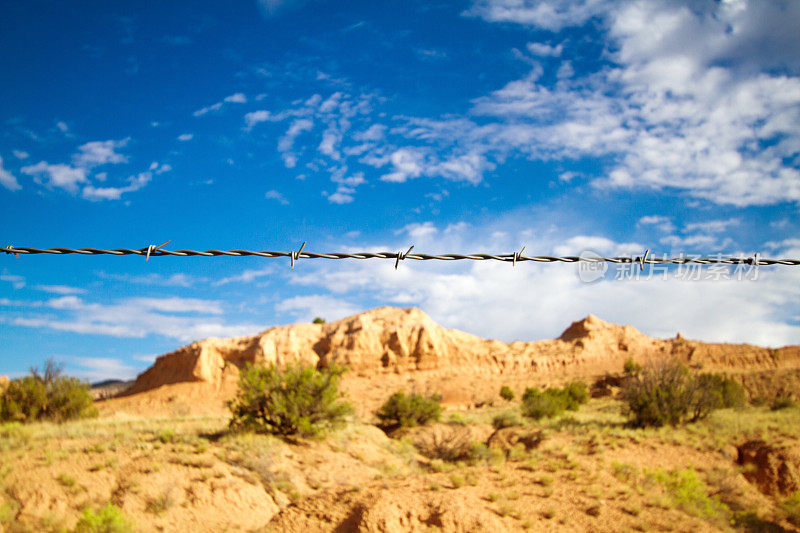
(509, 258)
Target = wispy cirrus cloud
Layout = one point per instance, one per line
(60, 289)
(701, 119)
(15, 280)
(78, 176)
(7, 179)
(96, 369)
(236, 98)
(183, 319)
(172, 280)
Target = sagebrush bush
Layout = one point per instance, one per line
(728, 393)
(402, 410)
(46, 395)
(506, 393)
(109, 519)
(791, 508)
(506, 420)
(668, 393)
(537, 404)
(631, 366)
(298, 400)
(781, 402)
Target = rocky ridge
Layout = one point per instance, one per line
(392, 341)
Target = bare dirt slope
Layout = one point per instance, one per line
(390, 348)
(583, 471)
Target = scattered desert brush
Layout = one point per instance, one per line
(298, 400)
(46, 395)
(402, 410)
(537, 404)
(668, 393)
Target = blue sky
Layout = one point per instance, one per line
(564, 126)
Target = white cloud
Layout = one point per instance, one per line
(406, 163)
(97, 369)
(711, 226)
(60, 289)
(19, 154)
(306, 308)
(254, 117)
(247, 276)
(330, 138)
(62, 127)
(533, 301)
(173, 280)
(90, 155)
(184, 319)
(286, 142)
(7, 179)
(98, 153)
(548, 15)
(277, 196)
(418, 231)
(545, 50)
(208, 109)
(16, 281)
(135, 183)
(341, 196)
(238, 98)
(62, 176)
(185, 137)
(663, 223)
(178, 305)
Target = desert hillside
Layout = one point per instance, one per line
(163, 456)
(388, 347)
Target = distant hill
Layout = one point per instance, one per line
(393, 347)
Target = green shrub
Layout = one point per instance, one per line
(318, 320)
(537, 404)
(578, 393)
(402, 410)
(631, 366)
(733, 394)
(506, 420)
(668, 393)
(726, 392)
(659, 395)
(791, 507)
(109, 519)
(781, 402)
(506, 393)
(689, 493)
(48, 395)
(299, 400)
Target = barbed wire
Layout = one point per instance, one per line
(514, 257)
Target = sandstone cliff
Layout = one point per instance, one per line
(405, 342)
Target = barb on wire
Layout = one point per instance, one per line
(643, 259)
(517, 255)
(401, 256)
(152, 248)
(294, 256)
(158, 251)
